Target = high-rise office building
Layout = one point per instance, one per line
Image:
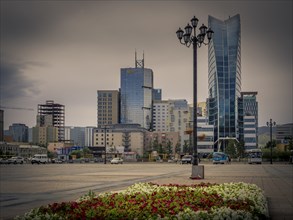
(157, 94)
(107, 107)
(52, 114)
(248, 119)
(224, 57)
(136, 95)
(19, 132)
(89, 136)
(77, 135)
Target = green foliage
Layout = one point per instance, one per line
(235, 149)
(51, 155)
(155, 145)
(169, 148)
(77, 153)
(277, 155)
(240, 149)
(161, 149)
(231, 149)
(186, 147)
(177, 148)
(269, 144)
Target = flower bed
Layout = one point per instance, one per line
(153, 201)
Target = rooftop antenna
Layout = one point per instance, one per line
(139, 63)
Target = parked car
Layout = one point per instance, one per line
(99, 160)
(117, 161)
(15, 160)
(172, 160)
(3, 161)
(57, 161)
(40, 158)
(186, 159)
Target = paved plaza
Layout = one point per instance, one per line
(23, 187)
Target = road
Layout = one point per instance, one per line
(23, 187)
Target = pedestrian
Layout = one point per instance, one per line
(229, 159)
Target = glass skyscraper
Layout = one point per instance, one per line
(224, 58)
(136, 96)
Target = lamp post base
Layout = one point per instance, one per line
(197, 172)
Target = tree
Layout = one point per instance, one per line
(231, 148)
(177, 148)
(169, 147)
(77, 153)
(270, 144)
(51, 155)
(240, 148)
(155, 146)
(161, 149)
(185, 147)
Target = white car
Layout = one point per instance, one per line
(117, 161)
(15, 160)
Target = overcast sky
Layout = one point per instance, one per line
(66, 51)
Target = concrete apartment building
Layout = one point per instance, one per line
(44, 135)
(108, 104)
(161, 116)
(171, 116)
(52, 114)
(161, 138)
(129, 136)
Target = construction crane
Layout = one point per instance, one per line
(17, 108)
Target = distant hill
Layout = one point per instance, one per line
(264, 135)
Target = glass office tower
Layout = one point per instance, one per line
(136, 96)
(224, 78)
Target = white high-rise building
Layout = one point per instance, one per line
(250, 132)
(171, 116)
(89, 133)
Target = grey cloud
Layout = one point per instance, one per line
(13, 83)
(23, 21)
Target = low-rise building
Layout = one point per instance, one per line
(22, 150)
(130, 136)
(162, 138)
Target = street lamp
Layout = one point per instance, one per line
(190, 38)
(271, 124)
(105, 143)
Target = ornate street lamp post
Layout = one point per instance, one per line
(190, 38)
(271, 124)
